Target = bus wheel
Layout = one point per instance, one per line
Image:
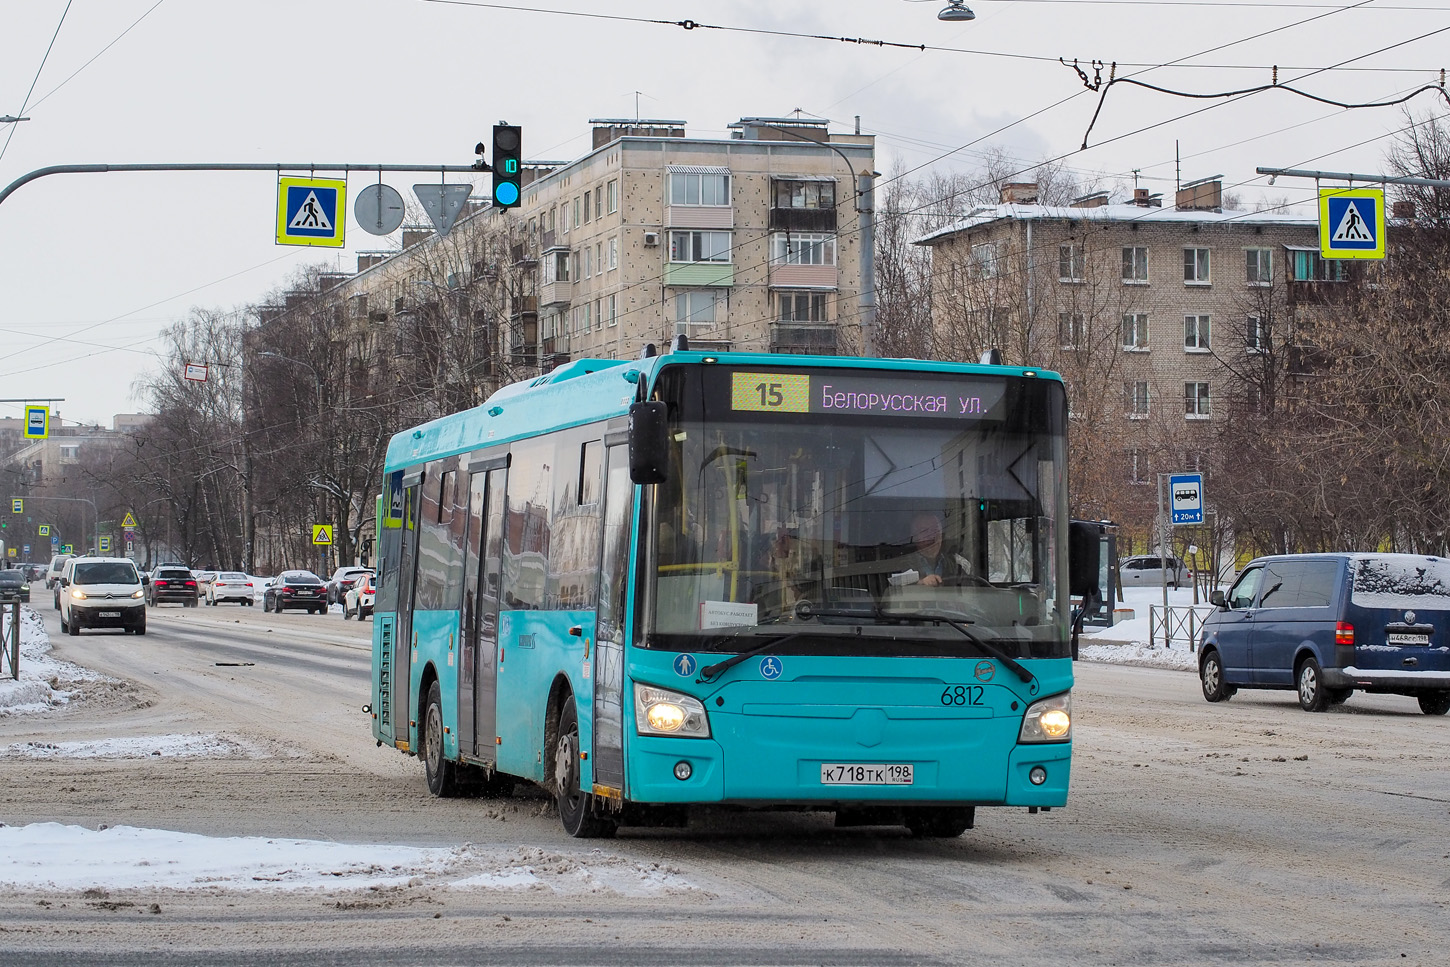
(576, 807)
(441, 774)
(941, 822)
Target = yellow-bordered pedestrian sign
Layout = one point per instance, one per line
(311, 211)
(1352, 223)
(322, 533)
(129, 521)
(43, 530)
(37, 422)
(17, 505)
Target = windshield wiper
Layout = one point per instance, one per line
(957, 621)
(709, 672)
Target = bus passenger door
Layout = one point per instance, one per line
(478, 687)
(403, 629)
(612, 622)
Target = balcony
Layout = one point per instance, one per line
(554, 295)
(803, 339)
(523, 305)
(802, 219)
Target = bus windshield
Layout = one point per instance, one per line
(857, 526)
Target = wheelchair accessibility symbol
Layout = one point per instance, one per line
(771, 668)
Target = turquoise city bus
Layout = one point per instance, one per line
(737, 580)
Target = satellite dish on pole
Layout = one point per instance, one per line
(379, 209)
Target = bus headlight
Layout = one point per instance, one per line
(1049, 720)
(659, 711)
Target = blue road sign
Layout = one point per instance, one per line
(685, 666)
(1185, 493)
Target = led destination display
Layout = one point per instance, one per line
(848, 393)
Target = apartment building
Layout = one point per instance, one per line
(747, 243)
(1159, 318)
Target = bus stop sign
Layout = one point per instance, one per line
(1186, 491)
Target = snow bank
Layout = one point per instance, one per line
(45, 681)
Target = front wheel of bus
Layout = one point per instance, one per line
(441, 774)
(576, 807)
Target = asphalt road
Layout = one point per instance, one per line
(1248, 832)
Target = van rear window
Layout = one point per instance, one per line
(1402, 581)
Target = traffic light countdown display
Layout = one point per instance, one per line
(507, 165)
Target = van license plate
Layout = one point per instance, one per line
(1404, 638)
(871, 774)
(108, 614)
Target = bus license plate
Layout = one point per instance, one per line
(1402, 638)
(109, 614)
(865, 774)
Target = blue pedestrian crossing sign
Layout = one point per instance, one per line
(1185, 494)
(311, 211)
(1352, 223)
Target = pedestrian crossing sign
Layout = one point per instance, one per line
(1352, 223)
(311, 211)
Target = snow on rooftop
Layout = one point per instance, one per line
(986, 214)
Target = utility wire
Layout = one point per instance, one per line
(26, 103)
(98, 53)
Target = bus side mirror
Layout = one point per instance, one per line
(649, 442)
(1084, 546)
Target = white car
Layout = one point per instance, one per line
(358, 601)
(230, 586)
(1147, 571)
(101, 592)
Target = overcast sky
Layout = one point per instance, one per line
(94, 266)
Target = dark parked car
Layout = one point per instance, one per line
(296, 589)
(1329, 624)
(14, 586)
(168, 583)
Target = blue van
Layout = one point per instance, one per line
(1328, 624)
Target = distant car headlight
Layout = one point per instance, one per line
(1049, 720)
(660, 711)
(78, 594)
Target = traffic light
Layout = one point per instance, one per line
(507, 165)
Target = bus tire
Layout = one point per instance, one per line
(576, 807)
(442, 775)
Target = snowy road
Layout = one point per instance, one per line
(1249, 832)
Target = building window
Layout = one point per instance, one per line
(1135, 265)
(1306, 265)
(1195, 401)
(612, 192)
(699, 246)
(699, 189)
(1195, 266)
(577, 220)
(1071, 329)
(700, 307)
(1256, 335)
(586, 206)
(803, 248)
(598, 203)
(598, 315)
(1136, 393)
(984, 261)
(1259, 266)
(1195, 333)
(613, 311)
(802, 306)
(71, 452)
(1070, 263)
(613, 253)
(1135, 331)
(549, 227)
(805, 194)
(588, 267)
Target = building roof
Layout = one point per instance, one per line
(987, 214)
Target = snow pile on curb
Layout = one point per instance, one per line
(198, 745)
(58, 857)
(45, 681)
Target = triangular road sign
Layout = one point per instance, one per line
(311, 214)
(443, 203)
(129, 521)
(1353, 226)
